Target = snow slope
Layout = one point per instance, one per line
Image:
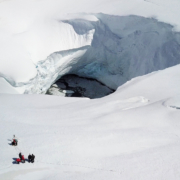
(129, 135)
(33, 31)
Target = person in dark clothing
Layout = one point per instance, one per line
(32, 158)
(20, 156)
(18, 160)
(14, 141)
(29, 158)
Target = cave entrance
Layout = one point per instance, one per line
(111, 50)
(72, 85)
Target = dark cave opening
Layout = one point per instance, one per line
(72, 85)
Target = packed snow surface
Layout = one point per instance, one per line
(173, 102)
(128, 135)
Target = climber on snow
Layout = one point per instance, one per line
(14, 141)
(33, 157)
(29, 158)
(20, 155)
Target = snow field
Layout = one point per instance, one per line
(132, 134)
(111, 137)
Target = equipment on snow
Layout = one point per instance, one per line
(18, 160)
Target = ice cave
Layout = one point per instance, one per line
(108, 52)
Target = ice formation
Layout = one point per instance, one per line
(116, 49)
(74, 86)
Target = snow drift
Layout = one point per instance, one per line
(127, 135)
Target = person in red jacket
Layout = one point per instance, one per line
(14, 141)
(18, 160)
(22, 159)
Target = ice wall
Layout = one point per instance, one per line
(121, 48)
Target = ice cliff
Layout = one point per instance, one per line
(113, 50)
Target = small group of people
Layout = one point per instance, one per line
(21, 156)
(31, 158)
(22, 159)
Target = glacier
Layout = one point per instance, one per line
(118, 48)
(131, 134)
